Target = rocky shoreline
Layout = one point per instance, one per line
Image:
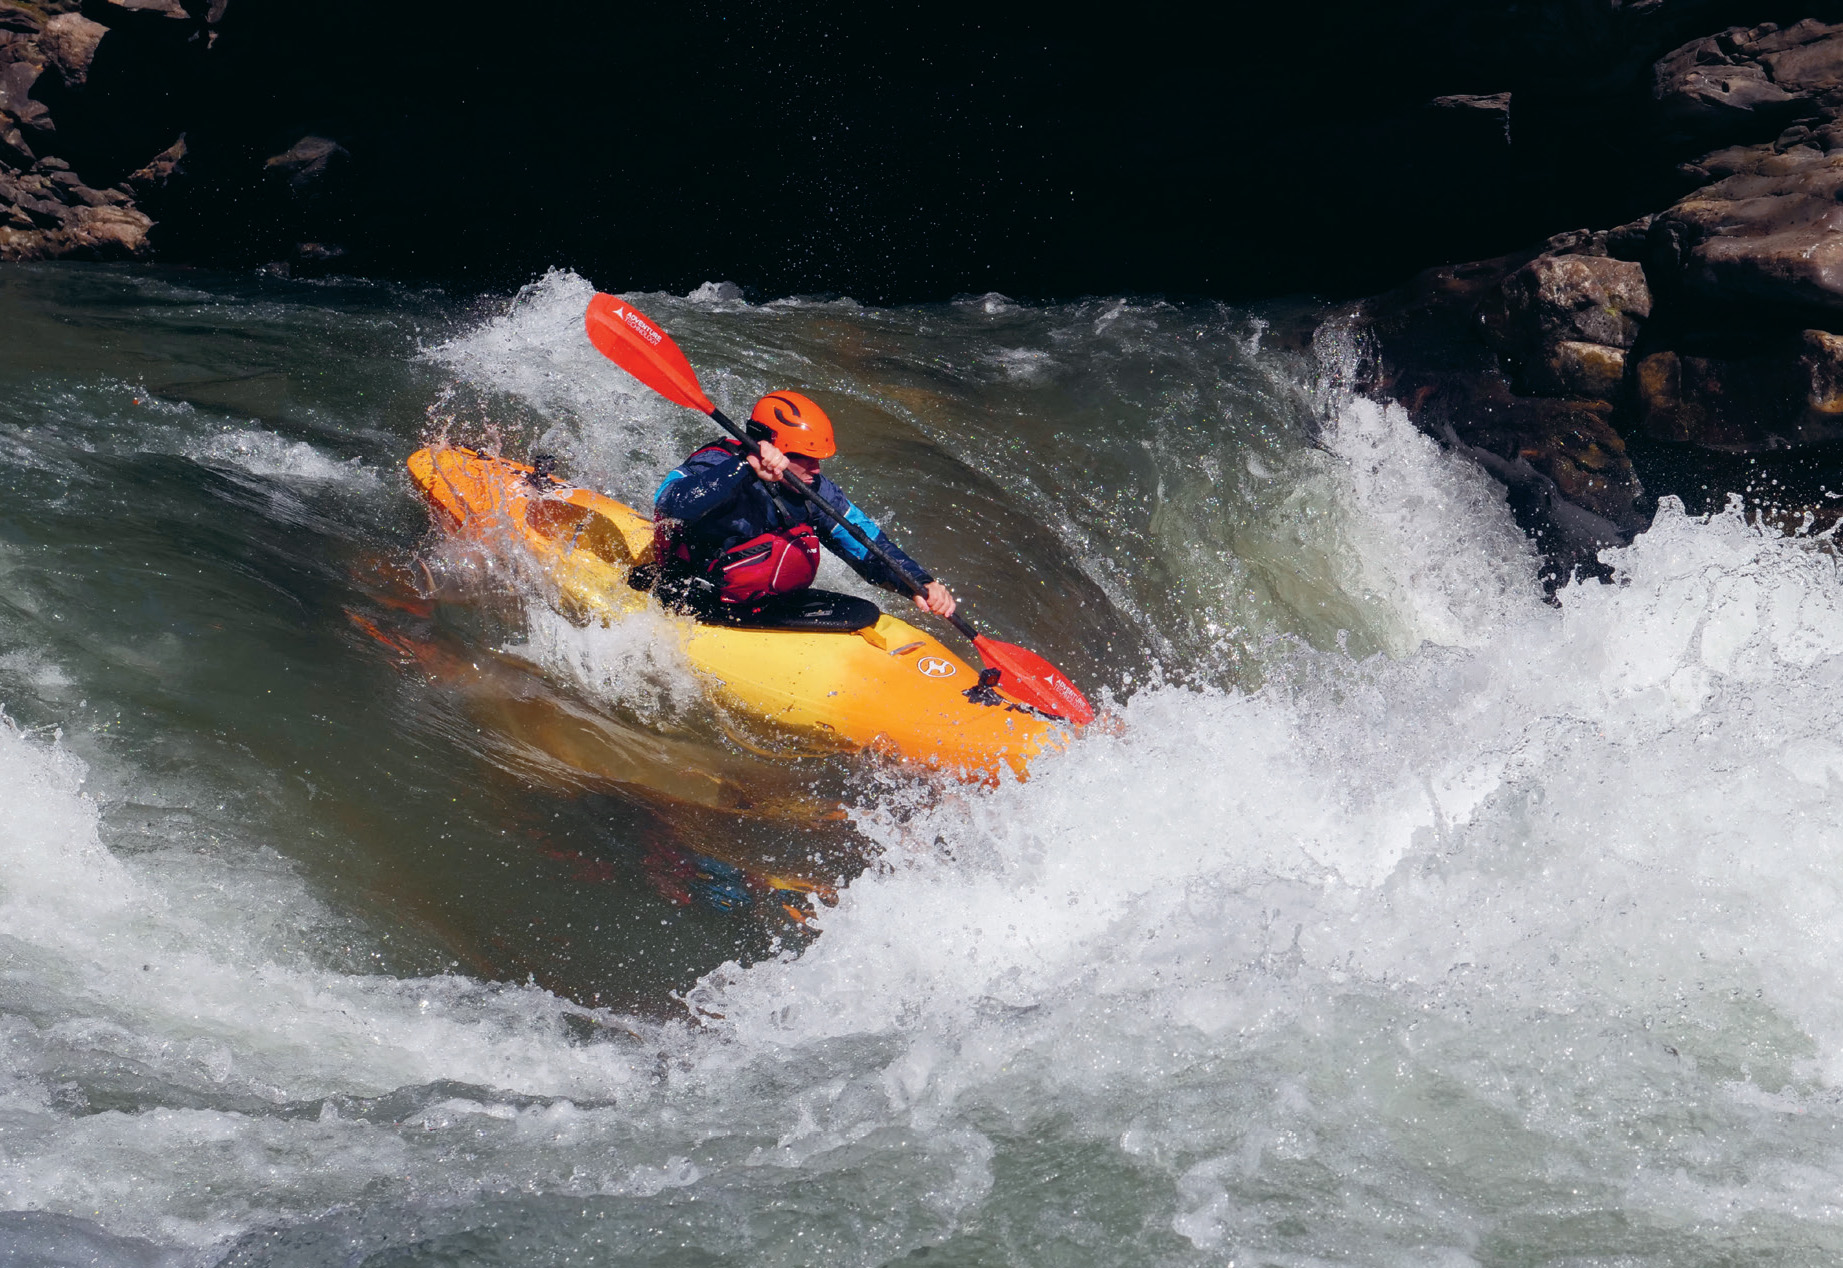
(92, 100)
(1695, 349)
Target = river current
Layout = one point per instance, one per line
(357, 907)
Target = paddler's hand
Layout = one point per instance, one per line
(937, 599)
(767, 462)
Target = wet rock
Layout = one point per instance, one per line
(1622, 242)
(1702, 91)
(1570, 481)
(1590, 298)
(1562, 322)
(1595, 371)
(69, 44)
(1784, 397)
(1772, 232)
(1746, 79)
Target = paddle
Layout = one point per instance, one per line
(628, 338)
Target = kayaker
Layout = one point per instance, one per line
(726, 537)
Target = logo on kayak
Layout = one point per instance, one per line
(935, 667)
(634, 319)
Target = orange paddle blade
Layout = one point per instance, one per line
(627, 337)
(1030, 678)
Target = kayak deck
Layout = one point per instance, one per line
(890, 688)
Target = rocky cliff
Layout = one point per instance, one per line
(1696, 350)
(92, 103)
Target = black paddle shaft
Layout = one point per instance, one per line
(813, 499)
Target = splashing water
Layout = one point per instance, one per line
(1403, 918)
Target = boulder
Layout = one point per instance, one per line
(69, 44)
(1594, 299)
(1745, 79)
(1784, 397)
(1770, 232)
(1570, 481)
(1562, 322)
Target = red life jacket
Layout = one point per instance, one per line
(778, 561)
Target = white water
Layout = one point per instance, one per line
(1514, 948)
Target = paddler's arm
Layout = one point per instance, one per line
(936, 597)
(703, 483)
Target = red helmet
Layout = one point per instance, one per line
(796, 424)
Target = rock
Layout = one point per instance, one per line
(1494, 108)
(69, 43)
(1805, 58)
(1823, 355)
(1622, 242)
(14, 151)
(15, 47)
(307, 163)
(88, 233)
(1745, 79)
(1570, 481)
(1595, 371)
(102, 197)
(17, 102)
(1593, 299)
(159, 170)
(1561, 322)
(1629, 241)
(17, 17)
(1785, 397)
(110, 233)
(1772, 232)
(159, 8)
(1702, 92)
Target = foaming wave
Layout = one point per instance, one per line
(608, 427)
(638, 661)
(263, 453)
(165, 991)
(1529, 892)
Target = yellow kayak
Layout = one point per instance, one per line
(889, 688)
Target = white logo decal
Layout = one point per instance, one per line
(634, 319)
(935, 667)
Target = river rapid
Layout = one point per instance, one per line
(358, 908)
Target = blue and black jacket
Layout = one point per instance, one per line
(713, 500)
